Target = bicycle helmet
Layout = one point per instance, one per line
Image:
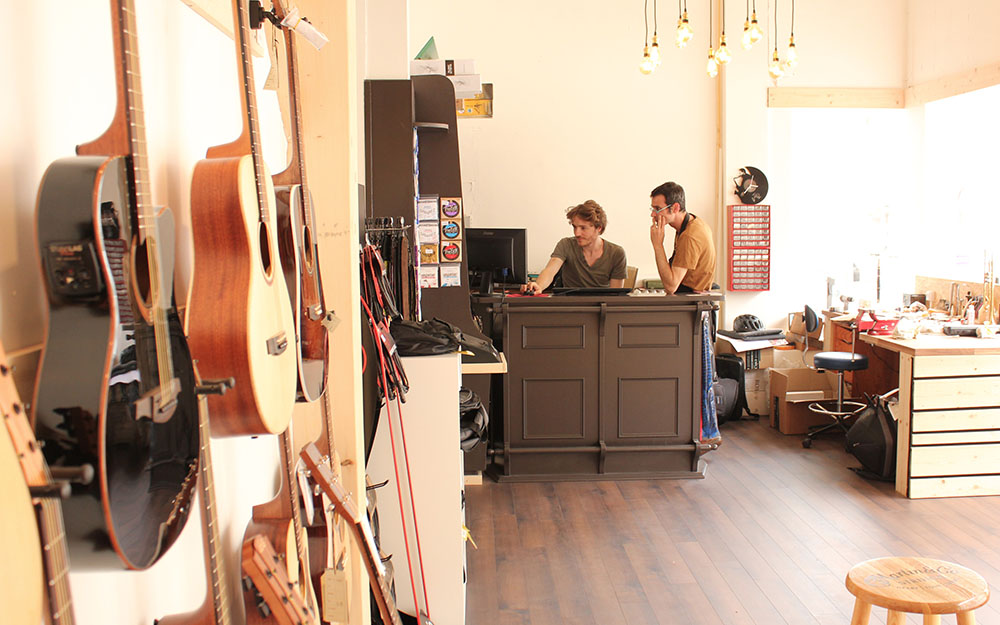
(747, 323)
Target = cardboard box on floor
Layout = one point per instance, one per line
(792, 390)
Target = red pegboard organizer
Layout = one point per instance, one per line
(749, 247)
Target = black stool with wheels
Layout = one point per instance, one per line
(840, 410)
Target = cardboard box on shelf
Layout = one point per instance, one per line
(790, 406)
(421, 67)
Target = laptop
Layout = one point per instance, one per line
(590, 290)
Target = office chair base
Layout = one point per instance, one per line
(842, 411)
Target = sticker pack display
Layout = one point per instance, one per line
(440, 233)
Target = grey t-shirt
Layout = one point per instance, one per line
(577, 273)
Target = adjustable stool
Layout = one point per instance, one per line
(916, 586)
(840, 410)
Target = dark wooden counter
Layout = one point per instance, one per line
(597, 386)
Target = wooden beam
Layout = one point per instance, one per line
(219, 13)
(835, 97)
(976, 78)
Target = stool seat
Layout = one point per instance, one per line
(840, 361)
(918, 585)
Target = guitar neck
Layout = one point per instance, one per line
(297, 168)
(248, 96)
(219, 585)
(373, 564)
(56, 561)
(134, 130)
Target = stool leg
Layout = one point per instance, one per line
(932, 619)
(862, 612)
(967, 618)
(895, 618)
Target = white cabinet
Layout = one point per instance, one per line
(430, 422)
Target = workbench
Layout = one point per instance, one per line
(948, 442)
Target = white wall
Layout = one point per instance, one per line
(948, 38)
(573, 117)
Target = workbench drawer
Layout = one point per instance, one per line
(952, 420)
(964, 486)
(945, 460)
(942, 393)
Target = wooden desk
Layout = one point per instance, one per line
(597, 386)
(948, 442)
(882, 374)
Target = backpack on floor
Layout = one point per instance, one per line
(872, 440)
(730, 389)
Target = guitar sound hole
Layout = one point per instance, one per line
(140, 273)
(265, 249)
(307, 243)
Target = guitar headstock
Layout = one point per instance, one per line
(14, 415)
(322, 474)
(269, 577)
(279, 8)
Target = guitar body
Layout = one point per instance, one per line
(298, 259)
(21, 578)
(239, 318)
(99, 358)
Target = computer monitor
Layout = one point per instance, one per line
(496, 256)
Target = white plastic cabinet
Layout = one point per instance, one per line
(430, 420)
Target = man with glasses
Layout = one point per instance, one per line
(692, 265)
(586, 259)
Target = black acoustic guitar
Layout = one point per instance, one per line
(115, 387)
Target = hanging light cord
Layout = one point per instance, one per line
(645, 20)
(775, 26)
(654, 17)
(791, 31)
(723, 19)
(748, 10)
(711, 24)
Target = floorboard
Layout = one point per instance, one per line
(765, 539)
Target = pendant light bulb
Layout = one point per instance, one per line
(646, 66)
(654, 52)
(684, 31)
(722, 53)
(756, 32)
(713, 65)
(747, 40)
(774, 68)
(792, 56)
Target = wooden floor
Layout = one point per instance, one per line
(766, 538)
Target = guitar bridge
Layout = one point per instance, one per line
(277, 344)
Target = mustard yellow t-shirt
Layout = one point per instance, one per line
(694, 250)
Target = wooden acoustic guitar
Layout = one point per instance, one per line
(344, 506)
(280, 521)
(115, 386)
(34, 575)
(297, 241)
(239, 316)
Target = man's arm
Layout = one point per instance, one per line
(546, 277)
(670, 276)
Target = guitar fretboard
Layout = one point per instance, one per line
(250, 104)
(220, 593)
(55, 560)
(134, 114)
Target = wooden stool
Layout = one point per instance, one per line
(916, 586)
